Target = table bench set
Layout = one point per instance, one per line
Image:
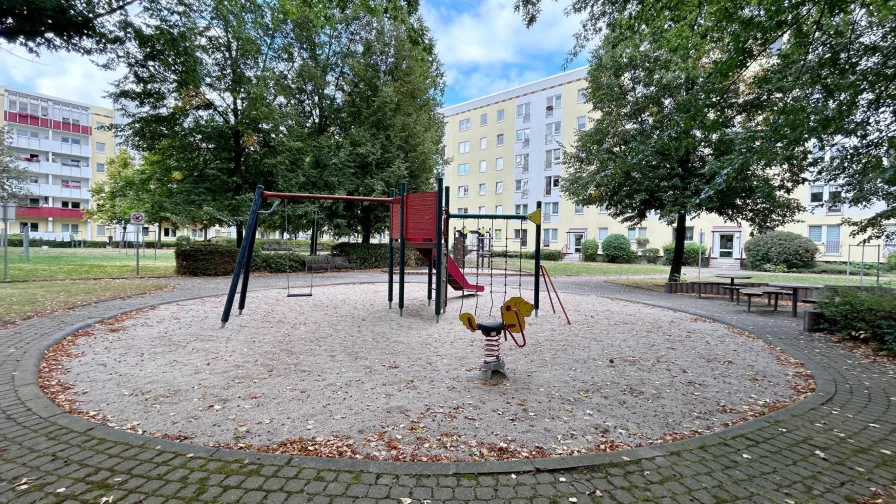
(776, 290)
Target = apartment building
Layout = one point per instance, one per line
(64, 145)
(506, 156)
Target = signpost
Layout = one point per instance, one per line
(700, 255)
(137, 220)
(9, 215)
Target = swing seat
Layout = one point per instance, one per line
(301, 294)
(492, 327)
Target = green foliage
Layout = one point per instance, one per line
(618, 249)
(589, 250)
(652, 255)
(891, 262)
(692, 251)
(277, 262)
(13, 177)
(867, 315)
(205, 259)
(374, 255)
(773, 268)
(183, 240)
(78, 26)
(549, 255)
(780, 248)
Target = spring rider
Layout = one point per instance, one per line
(513, 321)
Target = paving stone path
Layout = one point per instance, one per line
(49, 456)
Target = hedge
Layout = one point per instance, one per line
(277, 262)
(692, 250)
(589, 250)
(618, 249)
(205, 259)
(862, 314)
(771, 251)
(374, 255)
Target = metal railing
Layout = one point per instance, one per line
(527, 117)
(549, 111)
(833, 248)
(525, 143)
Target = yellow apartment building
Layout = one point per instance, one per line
(505, 156)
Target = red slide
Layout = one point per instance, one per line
(457, 280)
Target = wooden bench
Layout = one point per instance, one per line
(732, 289)
(760, 291)
(809, 301)
(315, 263)
(340, 262)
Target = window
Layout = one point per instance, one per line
(463, 210)
(501, 115)
(522, 136)
(552, 128)
(483, 143)
(463, 169)
(550, 235)
(463, 147)
(483, 119)
(688, 234)
(70, 228)
(482, 209)
(499, 187)
(637, 233)
(100, 127)
(463, 191)
(522, 111)
(33, 202)
(602, 208)
(169, 232)
(834, 195)
(521, 184)
(580, 95)
(833, 234)
(580, 209)
(30, 226)
(65, 204)
(101, 167)
(499, 209)
(816, 194)
(196, 233)
(552, 208)
(580, 122)
(482, 166)
(602, 234)
(550, 184)
(482, 191)
(815, 233)
(552, 157)
(145, 230)
(500, 139)
(521, 209)
(100, 230)
(100, 147)
(499, 164)
(520, 234)
(465, 124)
(554, 101)
(33, 180)
(498, 234)
(522, 162)
(217, 232)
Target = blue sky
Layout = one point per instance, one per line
(483, 45)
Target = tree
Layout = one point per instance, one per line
(13, 177)
(825, 70)
(116, 196)
(79, 26)
(674, 138)
(198, 85)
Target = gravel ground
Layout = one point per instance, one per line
(339, 365)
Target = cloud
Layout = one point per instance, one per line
(486, 48)
(64, 75)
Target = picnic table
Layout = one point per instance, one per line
(795, 289)
(733, 277)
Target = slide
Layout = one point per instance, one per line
(457, 280)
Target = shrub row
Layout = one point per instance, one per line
(780, 251)
(546, 254)
(205, 259)
(374, 255)
(692, 251)
(862, 314)
(17, 240)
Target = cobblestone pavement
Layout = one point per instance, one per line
(833, 447)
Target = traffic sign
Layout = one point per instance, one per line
(138, 218)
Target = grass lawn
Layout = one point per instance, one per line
(29, 299)
(71, 264)
(657, 284)
(560, 268)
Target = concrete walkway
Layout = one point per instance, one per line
(833, 447)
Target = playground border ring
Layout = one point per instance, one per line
(29, 392)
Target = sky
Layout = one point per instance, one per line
(483, 45)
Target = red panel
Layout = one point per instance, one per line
(420, 217)
(44, 122)
(56, 213)
(86, 130)
(66, 127)
(56, 125)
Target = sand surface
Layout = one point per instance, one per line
(340, 364)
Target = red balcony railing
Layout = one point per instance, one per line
(44, 122)
(55, 212)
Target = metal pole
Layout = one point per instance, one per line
(251, 238)
(391, 248)
(241, 258)
(137, 250)
(5, 250)
(848, 258)
(437, 245)
(862, 267)
(878, 266)
(26, 243)
(401, 219)
(700, 256)
(537, 256)
(446, 200)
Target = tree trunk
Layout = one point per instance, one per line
(239, 235)
(205, 234)
(314, 238)
(678, 255)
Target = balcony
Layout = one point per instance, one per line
(525, 143)
(834, 209)
(47, 211)
(549, 111)
(548, 218)
(832, 248)
(83, 170)
(51, 145)
(523, 167)
(524, 193)
(527, 117)
(58, 190)
(45, 122)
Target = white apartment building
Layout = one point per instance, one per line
(505, 157)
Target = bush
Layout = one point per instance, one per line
(550, 255)
(374, 255)
(774, 268)
(652, 255)
(891, 262)
(277, 262)
(692, 251)
(205, 259)
(867, 315)
(793, 251)
(183, 240)
(589, 250)
(618, 249)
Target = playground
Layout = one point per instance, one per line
(300, 375)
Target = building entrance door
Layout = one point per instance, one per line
(575, 242)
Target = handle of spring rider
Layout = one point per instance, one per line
(507, 330)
